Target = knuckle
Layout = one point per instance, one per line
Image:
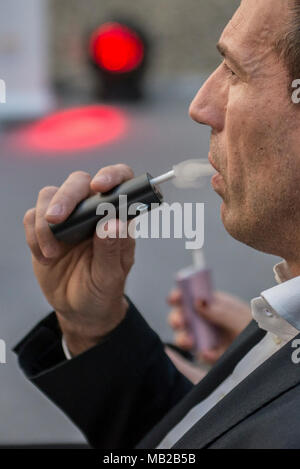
(110, 244)
(29, 214)
(106, 169)
(41, 228)
(117, 169)
(126, 169)
(48, 190)
(80, 174)
(113, 281)
(66, 198)
(118, 277)
(33, 245)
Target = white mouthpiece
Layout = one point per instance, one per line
(187, 174)
(163, 178)
(198, 258)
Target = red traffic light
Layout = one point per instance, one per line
(116, 48)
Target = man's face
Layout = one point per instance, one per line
(255, 141)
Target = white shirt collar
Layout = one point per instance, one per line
(277, 310)
(282, 272)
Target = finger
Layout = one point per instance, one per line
(75, 189)
(30, 235)
(174, 298)
(212, 356)
(111, 176)
(184, 340)
(106, 268)
(176, 319)
(49, 246)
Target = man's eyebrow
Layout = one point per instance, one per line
(224, 51)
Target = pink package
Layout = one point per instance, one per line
(194, 284)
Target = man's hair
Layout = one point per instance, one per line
(288, 44)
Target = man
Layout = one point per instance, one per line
(120, 388)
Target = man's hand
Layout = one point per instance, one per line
(227, 312)
(83, 283)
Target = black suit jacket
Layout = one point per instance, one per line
(126, 393)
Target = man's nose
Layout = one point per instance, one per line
(209, 105)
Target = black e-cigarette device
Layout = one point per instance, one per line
(142, 190)
(82, 222)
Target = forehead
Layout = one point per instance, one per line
(257, 24)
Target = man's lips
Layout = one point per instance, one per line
(217, 180)
(212, 162)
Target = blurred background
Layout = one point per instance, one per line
(72, 104)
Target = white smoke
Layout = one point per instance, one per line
(191, 173)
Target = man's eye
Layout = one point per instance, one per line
(229, 71)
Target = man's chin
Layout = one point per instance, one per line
(237, 226)
(230, 223)
(222, 211)
(225, 217)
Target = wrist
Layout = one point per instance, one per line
(80, 336)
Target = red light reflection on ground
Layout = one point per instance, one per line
(74, 129)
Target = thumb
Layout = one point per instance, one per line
(213, 355)
(106, 261)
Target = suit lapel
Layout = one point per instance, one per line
(272, 378)
(245, 341)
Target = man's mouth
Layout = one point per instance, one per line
(217, 180)
(212, 162)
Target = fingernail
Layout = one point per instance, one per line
(55, 210)
(201, 303)
(102, 179)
